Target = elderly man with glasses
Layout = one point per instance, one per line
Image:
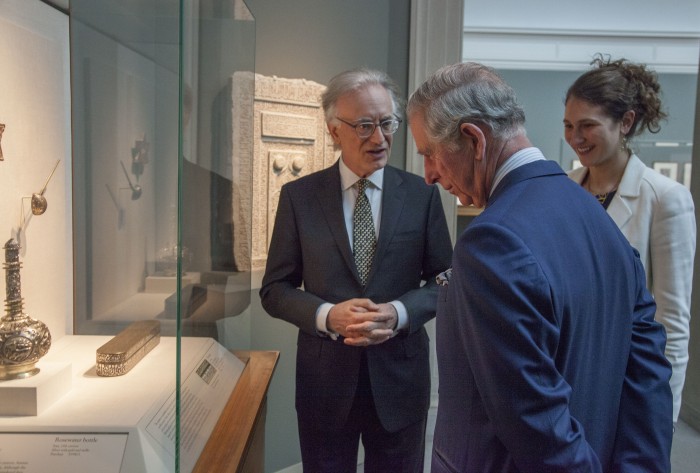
(549, 356)
(352, 263)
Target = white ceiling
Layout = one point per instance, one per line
(648, 17)
(514, 34)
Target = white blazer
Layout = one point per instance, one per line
(657, 216)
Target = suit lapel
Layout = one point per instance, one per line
(620, 209)
(393, 198)
(331, 200)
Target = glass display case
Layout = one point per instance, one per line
(155, 228)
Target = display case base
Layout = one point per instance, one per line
(129, 419)
(32, 396)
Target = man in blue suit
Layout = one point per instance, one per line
(549, 357)
(362, 350)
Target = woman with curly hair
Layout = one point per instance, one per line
(605, 108)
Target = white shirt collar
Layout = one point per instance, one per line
(520, 158)
(349, 178)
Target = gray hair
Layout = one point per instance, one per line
(466, 93)
(356, 79)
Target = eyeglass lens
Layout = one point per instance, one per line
(388, 127)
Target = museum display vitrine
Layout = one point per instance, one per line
(139, 263)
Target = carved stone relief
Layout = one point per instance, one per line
(289, 140)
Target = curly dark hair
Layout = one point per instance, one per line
(618, 86)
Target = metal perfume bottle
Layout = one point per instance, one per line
(23, 340)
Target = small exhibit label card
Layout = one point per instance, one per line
(206, 387)
(72, 452)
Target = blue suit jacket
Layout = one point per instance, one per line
(310, 247)
(549, 356)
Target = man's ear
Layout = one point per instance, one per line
(333, 130)
(475, 138)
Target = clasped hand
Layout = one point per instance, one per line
(362, 322)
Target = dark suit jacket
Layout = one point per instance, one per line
(310, 246)
(548, 353)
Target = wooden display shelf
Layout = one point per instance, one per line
(237, 443)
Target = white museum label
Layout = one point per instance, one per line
(216, 372)
(61, 452)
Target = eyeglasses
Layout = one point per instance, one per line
(366, 129)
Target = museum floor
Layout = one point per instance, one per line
(685, 454)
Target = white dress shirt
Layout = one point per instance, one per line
(374, 194)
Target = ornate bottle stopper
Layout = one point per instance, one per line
(23, 340)
(38, 200)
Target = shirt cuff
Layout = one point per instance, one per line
(321, 319)
(401, 311)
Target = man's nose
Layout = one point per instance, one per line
(575, 136)
(377, 135)
(431, 175)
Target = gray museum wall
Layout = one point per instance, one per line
(314, 40)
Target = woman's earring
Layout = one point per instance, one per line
(623, 143)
